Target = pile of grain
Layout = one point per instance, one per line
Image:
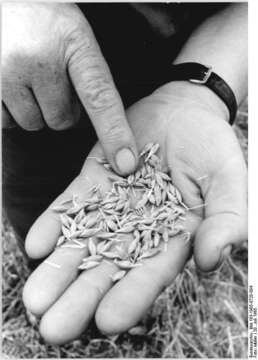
(133, 221)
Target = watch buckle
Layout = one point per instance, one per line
(205, 78)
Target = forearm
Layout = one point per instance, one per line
(221, 42)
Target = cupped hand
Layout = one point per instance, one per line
(206, 164)
(51, 62)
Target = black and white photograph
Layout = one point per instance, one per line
(124, 180)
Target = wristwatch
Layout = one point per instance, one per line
(203, 75)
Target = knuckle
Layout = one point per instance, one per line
(80, 56)
(99, 94)
(23, 110)
(28, 116)
(59, 117)
(57, 123)
(7, 121)
(30, 124)
(93, 80)
(113, 131)
(31, 121)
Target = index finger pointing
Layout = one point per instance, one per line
(95, 87)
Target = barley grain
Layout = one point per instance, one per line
(145, 205)
(88, 265)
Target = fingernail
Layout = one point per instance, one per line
(125, 161)
(224, 254)
(226, 251)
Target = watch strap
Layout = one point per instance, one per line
(201, 74)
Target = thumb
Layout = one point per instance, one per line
(225, 222)
(94, 85)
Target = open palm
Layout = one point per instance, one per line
(205, 161)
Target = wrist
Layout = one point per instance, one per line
(196, 93)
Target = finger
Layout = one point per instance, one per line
(7, 120)
(42, 236)
(94, 85)
(225, 221)
(71, 314)
(22, 106)
(51, 278)
(127, 302)
(56, 98)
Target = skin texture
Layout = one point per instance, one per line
(204, 157)
(47, 74)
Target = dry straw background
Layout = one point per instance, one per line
(199, 316)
